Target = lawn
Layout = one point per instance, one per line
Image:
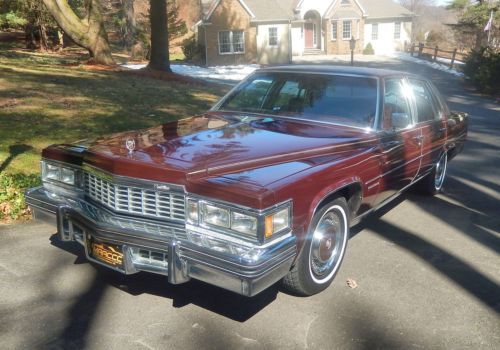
(46, 99)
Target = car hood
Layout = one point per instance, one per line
(216, 144)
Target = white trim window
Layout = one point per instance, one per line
(231, 42)
(397, 30)
(335, 25)
(273, 36)
(346, 30)
(374, 31)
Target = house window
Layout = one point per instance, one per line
(346, 30)
(238, 41)
(273, 36)
(397, 30)
(375, 31)
(334, 30)
(345, 2)
(231, 42)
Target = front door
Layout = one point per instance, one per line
(309, 35)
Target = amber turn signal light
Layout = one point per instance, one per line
(269, 226)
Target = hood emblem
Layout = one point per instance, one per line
(130, 144)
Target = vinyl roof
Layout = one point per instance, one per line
(329, 69)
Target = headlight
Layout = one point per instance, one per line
(56, 172)
(244, 223)
(52, 172)
(68, 176)
(214, 215)
(238, 222)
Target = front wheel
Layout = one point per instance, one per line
(323, 250)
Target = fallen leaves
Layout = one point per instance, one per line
(9, 103)
(351, 283)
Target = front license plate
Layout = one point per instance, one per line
(110, 254)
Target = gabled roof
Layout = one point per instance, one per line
(384, 9)
(214, 5)
(265, 10)
(334, 2)
(276, 10)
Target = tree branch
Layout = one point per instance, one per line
(69, 22)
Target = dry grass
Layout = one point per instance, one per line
(46, 99)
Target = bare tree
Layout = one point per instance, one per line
(88, 32)
(130, 27)
(417, 7)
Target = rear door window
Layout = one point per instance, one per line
(426, 105)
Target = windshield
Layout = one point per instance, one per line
(329, 98)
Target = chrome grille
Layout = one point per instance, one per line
(135, 200)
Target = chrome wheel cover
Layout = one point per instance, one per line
(440, 172)
(328, 244)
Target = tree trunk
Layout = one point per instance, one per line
(89, 34)
(130, 24)
(44, 40)
(160, 59)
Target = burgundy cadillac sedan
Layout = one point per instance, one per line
(263, 187)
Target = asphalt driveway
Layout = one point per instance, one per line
(427, 273)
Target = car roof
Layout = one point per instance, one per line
(331, 69)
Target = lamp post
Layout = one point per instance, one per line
(352, 45)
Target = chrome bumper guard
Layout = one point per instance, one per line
(161, 247)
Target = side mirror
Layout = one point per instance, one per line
(400, 120)
(459, 116)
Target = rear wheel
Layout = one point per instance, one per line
(433, 183)
(323, 250)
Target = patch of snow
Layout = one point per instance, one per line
(439, 66)
(219, 73)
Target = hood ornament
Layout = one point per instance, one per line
(130, 145)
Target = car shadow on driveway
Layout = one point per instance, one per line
(228, 304)
(457, 270)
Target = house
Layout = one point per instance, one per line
(272, 31)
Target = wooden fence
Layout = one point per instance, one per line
(433, 53)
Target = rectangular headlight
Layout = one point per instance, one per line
(214, 215)
(51, 172)
(68, 176)
(244, 223)
(56, 172)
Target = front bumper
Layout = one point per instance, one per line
(164, 248)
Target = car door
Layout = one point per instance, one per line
(431, 120)
(400, 141)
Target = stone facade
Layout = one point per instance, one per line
(339, 45)
(229, 15)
